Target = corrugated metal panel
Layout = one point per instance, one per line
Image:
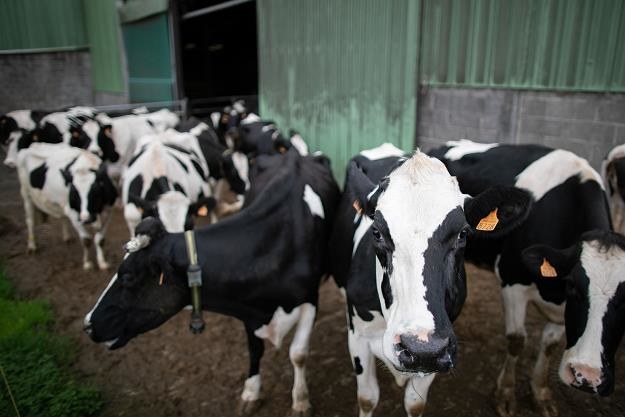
(42, 24)
(343, 73)
(533, 44)
(148, 59)
(103, 32)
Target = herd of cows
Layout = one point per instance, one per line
(395, 240)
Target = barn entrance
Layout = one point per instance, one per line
(217, 53)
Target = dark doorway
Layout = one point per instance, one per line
(218, 53)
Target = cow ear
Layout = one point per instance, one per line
(143, 205)
(148, 231)
(67, 176)
(203, 206)
(360, 186)
(109, 190)
(545, 262)
(497, 211)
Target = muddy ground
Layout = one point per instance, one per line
(170, 372)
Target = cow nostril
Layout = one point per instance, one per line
(88, 330)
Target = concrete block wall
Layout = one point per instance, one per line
(589, 124)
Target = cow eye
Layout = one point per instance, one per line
(462, 236)
(376, 234)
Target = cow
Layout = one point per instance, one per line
(14, 123)
(397, 253)
(168, 181)
(613, 173)
(67, 182)
(564, 256)
(53, 127)
(270, 281)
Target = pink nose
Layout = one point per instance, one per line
(585, 376)
(84, 216)
(10, 163)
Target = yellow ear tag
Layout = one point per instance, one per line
(202, 211)
(488, 223)
(282, 149)
(160, 280)
(357, 206)
(547, 270)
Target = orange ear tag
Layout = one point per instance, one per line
(357, 206)
(547, 270)
(488, 223)
(202, 211)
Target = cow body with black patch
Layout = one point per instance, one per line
(67, 182)
(613, 172)
(167, 180)
(262, 265)
(564, 251)
(397, 250)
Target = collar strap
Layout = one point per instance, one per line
(194, 279)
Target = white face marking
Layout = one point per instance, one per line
(87, 320)
(173, 207)
(82, 180)
(92, 129)
(464, 147)
(23, 119)
(362, 228)
(298, 143)
(11, 157)
(386, 150)
(605, 271)
(554, 169)
(242, 165)
(419, 196)
(314, 202)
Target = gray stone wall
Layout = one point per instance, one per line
(45, 81)
(589, 124)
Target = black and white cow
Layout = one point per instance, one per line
(398, 252)
(262, 265)
(578, 260)
(167, 180)
(67, 182)
(53, 127)
(14, 123)
(613, 172)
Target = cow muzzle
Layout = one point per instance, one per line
(583, 377)
(416, 354)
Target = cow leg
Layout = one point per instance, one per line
(366, 378)
(29, 213)
(66, 236)
(515, 300)
(98, 239)
(416, 393)
(85, 240)
(298, 353)
(250, 397)
(552, 333)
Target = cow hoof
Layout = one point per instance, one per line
(31, 250)
(247, 408)
(87, 266)
(505, 402)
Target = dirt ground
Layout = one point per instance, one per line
(170, 372)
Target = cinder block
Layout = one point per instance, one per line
(464, 118)
(541, 126)
(578, 107)
(612, 110)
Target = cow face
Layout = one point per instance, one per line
(8, 126)
(174, 209)
(420, 222)
(594, 272)
(236, 171)
(11, 156)
(90, 191)
(97, 138)
(143, 294)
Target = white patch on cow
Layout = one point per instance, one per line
(617, 205)
(251, 388)
(215, 116)
(362, 228)
(87, 320)
(250, 118)
(605, 271)
(242, 165)
(464, 147)
(198, 129)
(140, 110)
(173, 207)
(238, 106)
(281, 323)
(92, 129)
(371, 329)
(386, 150)
(314, 202)
(553, 169)
(23, 119)
(298, 143)
(419, 196)
(11, 157)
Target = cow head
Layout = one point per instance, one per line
(144, 293)
(97, 138)
(236, 171)
(8, 127)
(90, 190)
(594, 273)
(420, 222)
(174, 209)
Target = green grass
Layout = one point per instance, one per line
(36, 363)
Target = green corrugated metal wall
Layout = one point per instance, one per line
(103, 32)
(343, 73)
(148, 57)
(26, 24)
(534, 44)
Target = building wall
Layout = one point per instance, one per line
(45, 80)
(589, 124)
